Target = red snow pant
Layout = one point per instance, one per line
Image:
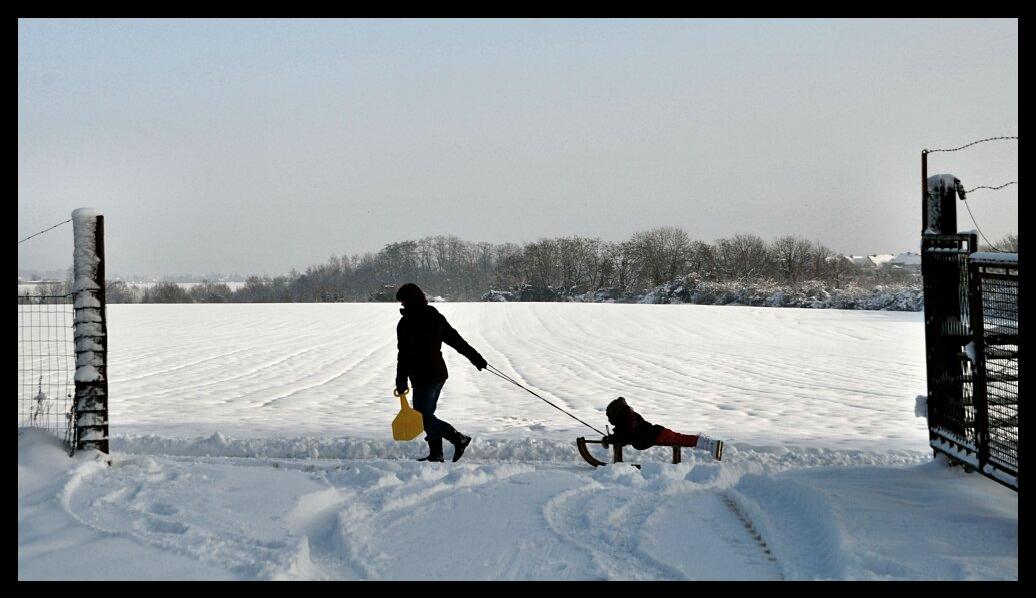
(667, 436)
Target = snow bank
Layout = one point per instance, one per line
(495, 450)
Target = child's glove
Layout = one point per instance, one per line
(609, 439)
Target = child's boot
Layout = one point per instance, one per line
(715, 447)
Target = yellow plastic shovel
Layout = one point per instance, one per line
(409, 423)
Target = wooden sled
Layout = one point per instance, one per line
(616, 452)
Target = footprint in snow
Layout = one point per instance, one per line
(165, 527)
(161, 508)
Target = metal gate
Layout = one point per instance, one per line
(971, 353)
(993, 295)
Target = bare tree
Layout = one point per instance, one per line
(818, 260)
(568, 256)
(440, 246)
(701, 260)
(579, 262)
(398, 261)
(626, 265)
(511, 269)
(742, 257)
(117, 291)
(594, 266)
(166, 292)
(542, 260)
(426, 255)
(662, 253)
(839, 269)
(791, 256)
(210, 292)
(1009, 243)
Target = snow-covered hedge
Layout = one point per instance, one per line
(811, 294)
(498, 296)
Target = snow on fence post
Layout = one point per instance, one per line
(91, 332)
(940, 205)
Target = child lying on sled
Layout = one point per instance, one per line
(630, 428)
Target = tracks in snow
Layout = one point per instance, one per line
(385, 519)
(692, 535)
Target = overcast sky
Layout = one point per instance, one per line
(256, 146)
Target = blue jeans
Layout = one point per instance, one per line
(425, 399)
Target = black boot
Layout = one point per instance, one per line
(458, 440)
(434, 451)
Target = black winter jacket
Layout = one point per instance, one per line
(420, 334)
(630, 427)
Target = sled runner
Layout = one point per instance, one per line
(584, 452)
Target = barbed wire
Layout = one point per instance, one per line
(44, 230)
(928, 151)
(993, 188)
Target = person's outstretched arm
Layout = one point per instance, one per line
(452, 338)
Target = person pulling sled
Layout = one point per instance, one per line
(420, 334)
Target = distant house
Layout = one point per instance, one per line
(869, 262)
(880, 259)
(860, 261)
(907, 261)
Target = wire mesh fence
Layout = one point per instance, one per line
(63, 342)
(995, 305)
(46, 363)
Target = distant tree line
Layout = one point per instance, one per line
(544, 270)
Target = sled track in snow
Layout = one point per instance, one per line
(737, 511)
(643, 534)
(614, 551)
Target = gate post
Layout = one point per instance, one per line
(944, 270)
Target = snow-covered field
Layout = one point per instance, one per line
(253, 442)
